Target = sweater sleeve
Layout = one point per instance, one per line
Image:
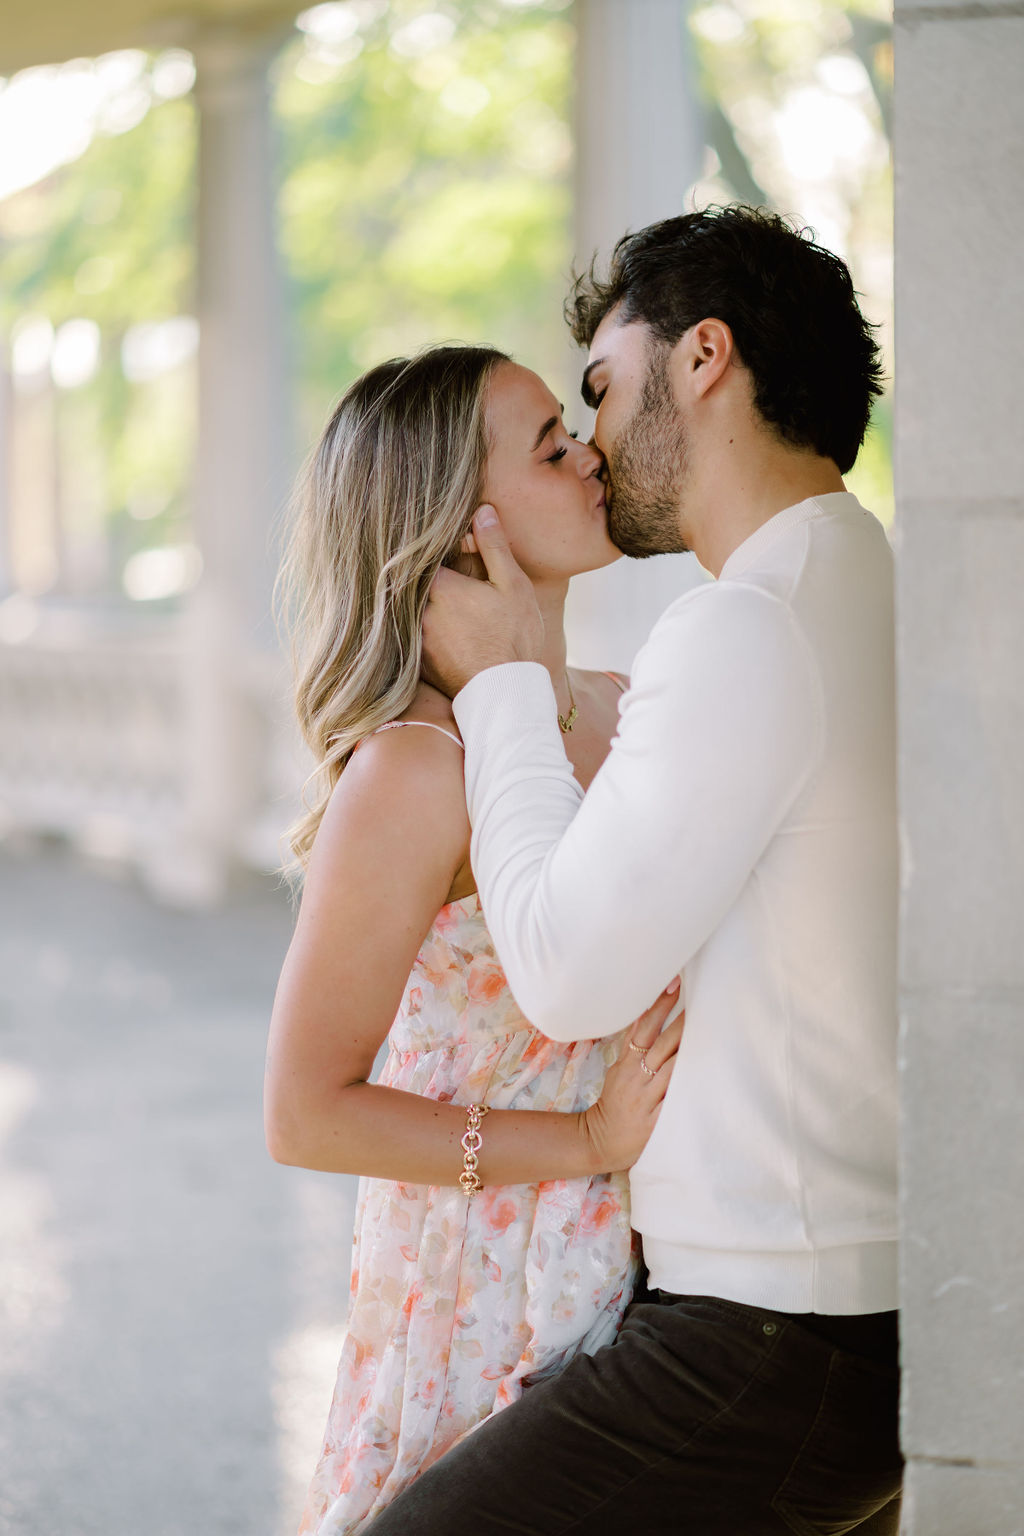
(596, 902)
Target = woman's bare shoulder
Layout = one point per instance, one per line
(618, 680)
(418, 757)
(399, 802)
(410, 773)
(603, 684)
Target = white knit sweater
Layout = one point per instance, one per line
(743, 830)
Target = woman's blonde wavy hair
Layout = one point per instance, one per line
(383, 501)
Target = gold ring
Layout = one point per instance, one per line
(642, 1053)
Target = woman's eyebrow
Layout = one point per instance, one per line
(552, 421)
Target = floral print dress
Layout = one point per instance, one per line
(457, 1304)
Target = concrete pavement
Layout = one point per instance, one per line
(171, 1302)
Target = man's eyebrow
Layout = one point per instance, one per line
(552, 421)
(586, 390)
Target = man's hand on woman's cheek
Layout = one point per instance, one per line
(469, 624)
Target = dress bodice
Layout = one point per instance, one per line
(459, 1022)
(457, 980)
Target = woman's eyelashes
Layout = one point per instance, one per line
(560, 453)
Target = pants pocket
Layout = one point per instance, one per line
(849, 1466)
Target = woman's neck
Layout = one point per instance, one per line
(551, 601)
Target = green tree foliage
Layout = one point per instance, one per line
(424, 187)
(424, 156)
(110, 239)
(797, 97)
(423, 195)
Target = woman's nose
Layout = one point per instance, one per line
(591, 460)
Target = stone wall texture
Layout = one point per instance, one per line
(959, 150)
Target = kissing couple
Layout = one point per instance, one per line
(718, 829)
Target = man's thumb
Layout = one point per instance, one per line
(492, 545)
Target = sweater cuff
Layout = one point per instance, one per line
(508, 699)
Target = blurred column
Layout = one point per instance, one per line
(33, 479)
(639, 145)
(6, 570)
(959, 148)
(242, 459)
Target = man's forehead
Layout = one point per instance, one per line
(617, 337)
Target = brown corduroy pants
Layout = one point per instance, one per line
(703, 1418)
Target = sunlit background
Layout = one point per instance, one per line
(426, 179)
(423, 182)
(424, 192)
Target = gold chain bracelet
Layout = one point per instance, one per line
(469, 1180)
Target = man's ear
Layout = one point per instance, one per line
(700, 358)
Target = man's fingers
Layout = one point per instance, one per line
(492, 546)
(447, 583)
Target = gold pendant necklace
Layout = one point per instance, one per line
(566, 722)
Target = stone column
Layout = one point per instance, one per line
(242, 459)
(6, 569)
(638, 151)
(959, 150)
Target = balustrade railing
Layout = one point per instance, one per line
(95, 747)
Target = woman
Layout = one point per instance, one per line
(487, 1250)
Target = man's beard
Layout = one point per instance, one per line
(647, 469)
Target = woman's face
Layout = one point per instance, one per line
(545, 486)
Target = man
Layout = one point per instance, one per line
(743, 830)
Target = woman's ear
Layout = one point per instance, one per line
(466, 560)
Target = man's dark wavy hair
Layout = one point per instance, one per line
(789, 303)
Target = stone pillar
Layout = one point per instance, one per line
(638, 151)
(33, 526)
(6, 565)
(959, 151)
(242, 460)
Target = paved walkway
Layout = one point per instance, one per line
(170, 1300)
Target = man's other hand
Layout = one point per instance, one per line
(471, 625)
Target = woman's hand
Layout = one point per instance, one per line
(619, 1124)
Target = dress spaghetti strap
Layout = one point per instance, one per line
(396, 725)
(620, 685)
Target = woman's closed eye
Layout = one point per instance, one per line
(559, 453)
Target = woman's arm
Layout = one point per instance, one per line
(391, 841)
